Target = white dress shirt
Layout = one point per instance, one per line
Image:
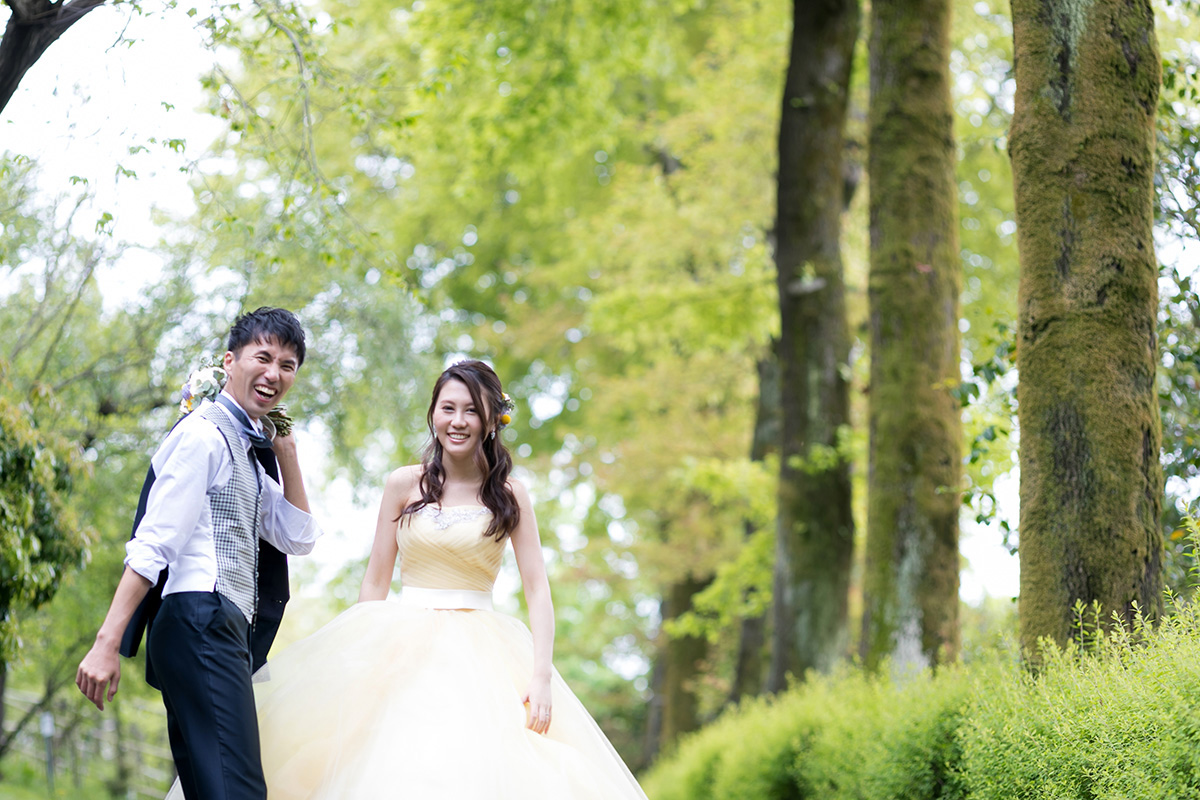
(177, 528)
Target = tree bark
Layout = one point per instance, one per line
(33, 26)
(676, 708)
(1082, 149)
(815, 537)
(4, 741)
(748, 668)
(910, 586)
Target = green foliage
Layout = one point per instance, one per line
(740, 589)
(851, 735)
(40, 536)
(583, 195)
(1082, 727)
(981, 65)
(1177, 186)
(1111, 715)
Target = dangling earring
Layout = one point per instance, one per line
(492, 435)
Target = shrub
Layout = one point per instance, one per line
(850, 735)
(897, 740)
(1114, 716)
(1120, 721)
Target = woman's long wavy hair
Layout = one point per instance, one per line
(491, 456)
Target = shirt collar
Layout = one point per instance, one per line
(254, 423)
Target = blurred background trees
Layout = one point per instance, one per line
(749, 269)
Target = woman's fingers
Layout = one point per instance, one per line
(539, 718)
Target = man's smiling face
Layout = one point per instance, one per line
(260, 374)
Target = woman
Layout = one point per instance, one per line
(437, 696)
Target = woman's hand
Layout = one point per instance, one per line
(537, 700)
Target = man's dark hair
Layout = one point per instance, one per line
(268, 323)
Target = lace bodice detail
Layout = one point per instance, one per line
(444, 548)
(443, 518)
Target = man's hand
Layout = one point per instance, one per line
(289, 472)
(284, 446)
(100, 666)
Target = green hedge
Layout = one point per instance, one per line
(1119, 721)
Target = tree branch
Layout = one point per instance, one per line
(33, 27)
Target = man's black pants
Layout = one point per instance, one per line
(199, 647)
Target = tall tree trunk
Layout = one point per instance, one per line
(33, 26)
(1082, 148)
(815, 525)
(910, 587)
(652, 737)
(4, 743)
(748, 667)
(815, 536)
(676, 709)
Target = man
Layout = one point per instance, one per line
(208, 505)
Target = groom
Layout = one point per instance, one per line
(216, 515)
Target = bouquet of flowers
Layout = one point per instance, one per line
(208, 379)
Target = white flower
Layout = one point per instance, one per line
(206, 382)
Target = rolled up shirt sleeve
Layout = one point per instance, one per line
(286, 527)
(186, 466)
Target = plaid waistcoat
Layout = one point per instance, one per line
(235, 513)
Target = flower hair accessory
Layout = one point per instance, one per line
(206, 382)
(507, 408)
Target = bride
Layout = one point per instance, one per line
(438, 696)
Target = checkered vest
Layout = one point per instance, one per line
(235, 514)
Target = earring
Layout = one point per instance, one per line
(492, 435)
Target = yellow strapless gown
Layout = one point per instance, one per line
(391, 700)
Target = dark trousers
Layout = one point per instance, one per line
(199, 647)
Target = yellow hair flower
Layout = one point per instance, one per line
(507, 409)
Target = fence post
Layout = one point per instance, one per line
(47, 728)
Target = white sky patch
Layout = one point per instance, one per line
(108, 96)
(991, 570)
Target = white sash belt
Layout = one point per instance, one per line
(416, 597)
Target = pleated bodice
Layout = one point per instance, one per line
(444, 548)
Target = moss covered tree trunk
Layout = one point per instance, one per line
(1082, 148)
(815, 528)
(911, 582)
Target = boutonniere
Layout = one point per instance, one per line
(206, 382)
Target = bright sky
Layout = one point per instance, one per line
(93, 96)
(101, 91)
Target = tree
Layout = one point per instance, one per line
(33, 25)
(749, 674)
(78, 394)
(1082, 148)
(815, 527)
(910, 584)
(40, 539)
(577, 235)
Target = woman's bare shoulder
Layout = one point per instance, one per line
(519, 492)
(404, 481)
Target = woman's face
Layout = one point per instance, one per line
(457, 423)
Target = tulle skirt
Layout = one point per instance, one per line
(390, 701)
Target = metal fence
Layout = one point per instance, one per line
(129, 751)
